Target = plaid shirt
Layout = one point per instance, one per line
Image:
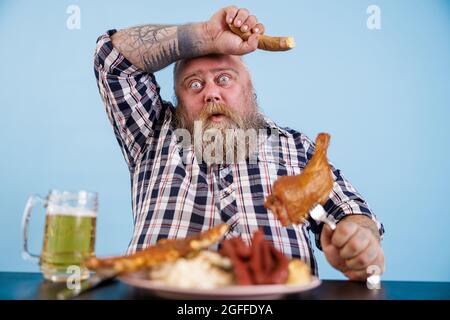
(175, 197)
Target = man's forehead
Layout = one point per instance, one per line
(213, 62)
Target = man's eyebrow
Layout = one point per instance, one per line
(199, 72)
(195, 73)
(225, 69)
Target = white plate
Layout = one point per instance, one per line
(225, 293)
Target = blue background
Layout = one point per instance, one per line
(383, 95)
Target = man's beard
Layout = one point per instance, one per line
(233, 139)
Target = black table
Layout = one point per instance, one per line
(31, 286)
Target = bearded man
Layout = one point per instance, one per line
(188, 173)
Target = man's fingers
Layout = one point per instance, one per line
(333, 257)
(357, 244)
(357, 275)
(251, 44)
(365, 258)
(352, 249)
(248, 24)
(364, 273)
(325, 237)
(344, 231)
(231, 13)
(259, 28)
(240, 17)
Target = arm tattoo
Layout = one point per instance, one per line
(153, 47)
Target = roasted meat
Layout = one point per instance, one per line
(165, 250)
(294, 196)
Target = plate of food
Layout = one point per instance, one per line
(208, 275)
(187, 269)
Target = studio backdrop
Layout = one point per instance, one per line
(373, 74)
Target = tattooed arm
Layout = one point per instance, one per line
(153, 47)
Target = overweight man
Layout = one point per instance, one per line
(178, 190)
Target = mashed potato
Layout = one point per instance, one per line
(204, 271)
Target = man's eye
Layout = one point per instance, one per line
(195, 85)
(224, 79)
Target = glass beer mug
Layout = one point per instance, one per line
(69, 234)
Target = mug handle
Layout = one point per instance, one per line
(31, 202)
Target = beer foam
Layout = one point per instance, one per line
(70, 211)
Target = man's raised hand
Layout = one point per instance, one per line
(224, 40)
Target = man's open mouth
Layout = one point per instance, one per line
(217, 117)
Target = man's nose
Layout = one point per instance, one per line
(212, 99)
(212, 95)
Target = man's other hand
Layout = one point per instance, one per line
(353, 247)
(224, 40)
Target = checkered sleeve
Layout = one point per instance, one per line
(344, 200)
(131, 98)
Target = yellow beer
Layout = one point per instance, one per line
(69, 238)
(69, 234)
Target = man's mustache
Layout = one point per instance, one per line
(211, 109)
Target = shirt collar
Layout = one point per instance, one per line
(272, 125)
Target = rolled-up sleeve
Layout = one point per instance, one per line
(344, 199)
(131, 98)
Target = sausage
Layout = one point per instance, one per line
(261, 263)
(256, 260)
(280, 272)
(242, 250)
(241, 270)
(268, 261)
(266, 42)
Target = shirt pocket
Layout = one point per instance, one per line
(271, 168)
